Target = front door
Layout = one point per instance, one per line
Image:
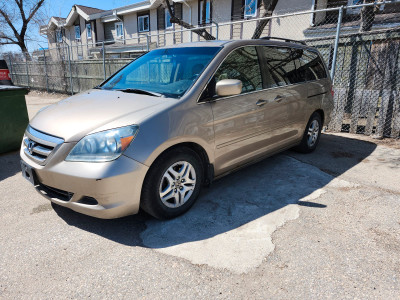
(238, 119)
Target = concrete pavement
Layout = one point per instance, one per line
(323, 225)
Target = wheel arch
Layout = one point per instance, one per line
(206, 161)
(322, 114)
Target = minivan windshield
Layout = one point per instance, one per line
(166, 72)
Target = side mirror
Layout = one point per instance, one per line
(228, 87)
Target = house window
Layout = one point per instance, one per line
(250, 8)
(59, 37)
(208, 12)
(168, 23)
(119, 28)
(354, 11)
(77, 32)
(144, 23)
(89, 30)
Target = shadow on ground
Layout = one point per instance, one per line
(234, 200)
(9, 164)
(125, 230)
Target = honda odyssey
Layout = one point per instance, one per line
(173, 120)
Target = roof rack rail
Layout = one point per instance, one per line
(282, 39)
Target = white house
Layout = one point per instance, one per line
(132, 28)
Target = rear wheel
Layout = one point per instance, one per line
(311, 135)
(172, 184)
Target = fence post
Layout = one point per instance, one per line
(27, 71)
(147, 43)
(45, 70)
(70, 72)
(335, 50)
(104, 61)
(216, 29)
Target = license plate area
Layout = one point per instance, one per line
(28, 173)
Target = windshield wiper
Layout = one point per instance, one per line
(143, 92)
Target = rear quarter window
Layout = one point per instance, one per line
(309, 66)
(281, 65)
(292, 65)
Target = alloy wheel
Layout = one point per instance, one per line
(177, 184)
(313, 133)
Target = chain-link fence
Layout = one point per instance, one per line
(360, 45)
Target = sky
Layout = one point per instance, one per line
(61, 8)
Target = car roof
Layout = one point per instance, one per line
(222, 43)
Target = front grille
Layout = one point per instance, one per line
(54, 193)
(39, 146)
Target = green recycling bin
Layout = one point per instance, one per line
(13, 117)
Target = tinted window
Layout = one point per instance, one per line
(281, 65)
(242, 64)
(310, 66)
(290, 66)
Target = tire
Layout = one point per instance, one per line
(172, 184)
(311, 135)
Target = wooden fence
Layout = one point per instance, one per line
(56, 76)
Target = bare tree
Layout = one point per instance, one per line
(201, 32)
(269, 6)
(15, 20)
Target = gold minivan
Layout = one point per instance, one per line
(173, 120)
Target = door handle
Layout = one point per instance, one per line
(278, 98)
(261, 102)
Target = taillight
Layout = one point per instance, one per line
(332, 92)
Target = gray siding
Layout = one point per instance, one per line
(161, 17)
(237, 9)
(177, 8)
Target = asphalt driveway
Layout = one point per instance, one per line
(323, 225)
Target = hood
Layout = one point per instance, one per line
(76, 116)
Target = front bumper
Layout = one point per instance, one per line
(114, 187)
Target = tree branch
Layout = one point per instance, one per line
(8, 43)
(7, 38)
(34, 10)
(5, 16)
(20, 6)
(269, 6)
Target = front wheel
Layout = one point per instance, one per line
(173, 184)
(311, 135)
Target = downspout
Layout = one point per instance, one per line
(123, 25)
(312, 14)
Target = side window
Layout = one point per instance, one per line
(241, 64)
(281, 65)
(310, 66)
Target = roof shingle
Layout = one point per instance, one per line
(89, 10)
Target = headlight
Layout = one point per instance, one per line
(103, 146)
